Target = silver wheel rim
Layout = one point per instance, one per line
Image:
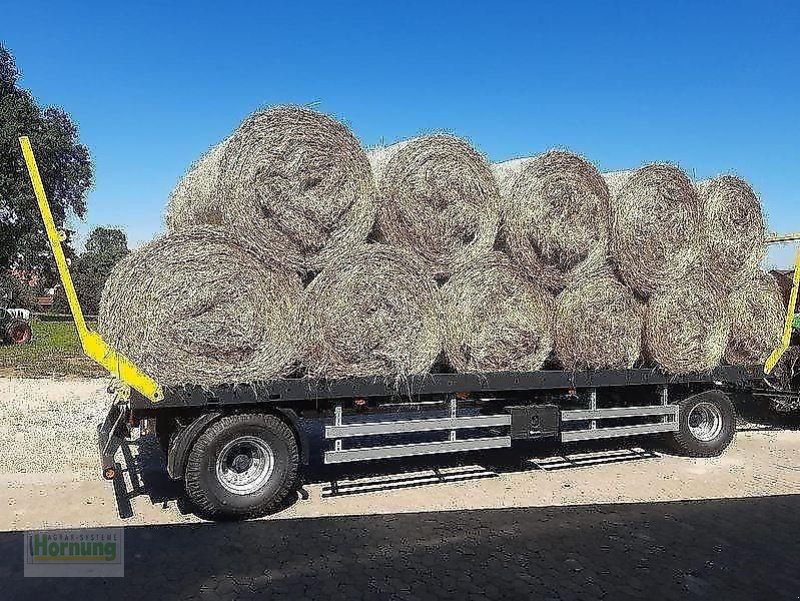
(705, 422)
(245, 465)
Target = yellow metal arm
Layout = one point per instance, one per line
(790, 319)
(93, 344)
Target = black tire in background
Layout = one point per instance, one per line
(207, 477)
(18, 331)
(706, 425)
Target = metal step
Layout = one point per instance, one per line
(424, 448)
(598, 433)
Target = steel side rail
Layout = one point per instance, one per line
(92, 343)
(782, 238)
(415, 425)
(410, 450)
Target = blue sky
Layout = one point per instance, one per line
(713, 86)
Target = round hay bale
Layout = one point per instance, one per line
(757, 316)
(197, 307)
(686, 327)
(555, 210)
(599, 323)
(786, 372)
(375, 312)
(495, 319)
(655, 227)
(293, 179)
(195, 198)
(785, 282)
(734, 231)
(437, 199)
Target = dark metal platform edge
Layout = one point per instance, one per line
(432, 384)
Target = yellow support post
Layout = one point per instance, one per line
(776, 355)
(93, 344)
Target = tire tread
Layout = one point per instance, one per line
(192, 475)
(683, 443)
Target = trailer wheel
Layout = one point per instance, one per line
(242, 466)
(707, 425)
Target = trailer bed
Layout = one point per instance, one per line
(414, 387)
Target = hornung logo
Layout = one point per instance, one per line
(92, 552)
(72, 548)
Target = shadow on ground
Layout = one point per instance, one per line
(718, 549)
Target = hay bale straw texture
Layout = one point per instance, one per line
(686, 327)
(555, 212)
(290, 178)
(734, 231)
(787, 371)
(376, 312)
(197, 307)
(599, 323)
(785, 283)
(437, 199)
(495, 319)
(757, 315)
(655, 227)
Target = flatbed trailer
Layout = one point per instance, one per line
(221, 441)
(240, 449)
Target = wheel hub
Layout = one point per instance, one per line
(245, 465)
(241, 463)
(705, 422)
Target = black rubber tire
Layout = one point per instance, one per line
(684, 442)
(18, 331)
(200, 478)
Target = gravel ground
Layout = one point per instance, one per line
(46, 426)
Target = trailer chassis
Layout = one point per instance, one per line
(522, 406)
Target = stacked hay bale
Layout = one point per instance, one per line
(734, 246)
(686, 327)
(655, 224)
(785, 282)
(201, 306)
(757, 316)
(692, 252)
(215, 300)
(291, 179)
(734, 232)
(529, 262)
(555, 213)
(655, 244)
(598, 323)
(375, 312)
(437, 199)
(495, 319)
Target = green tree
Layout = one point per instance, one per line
(14, 292)
(90, 270)
(65, 166)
